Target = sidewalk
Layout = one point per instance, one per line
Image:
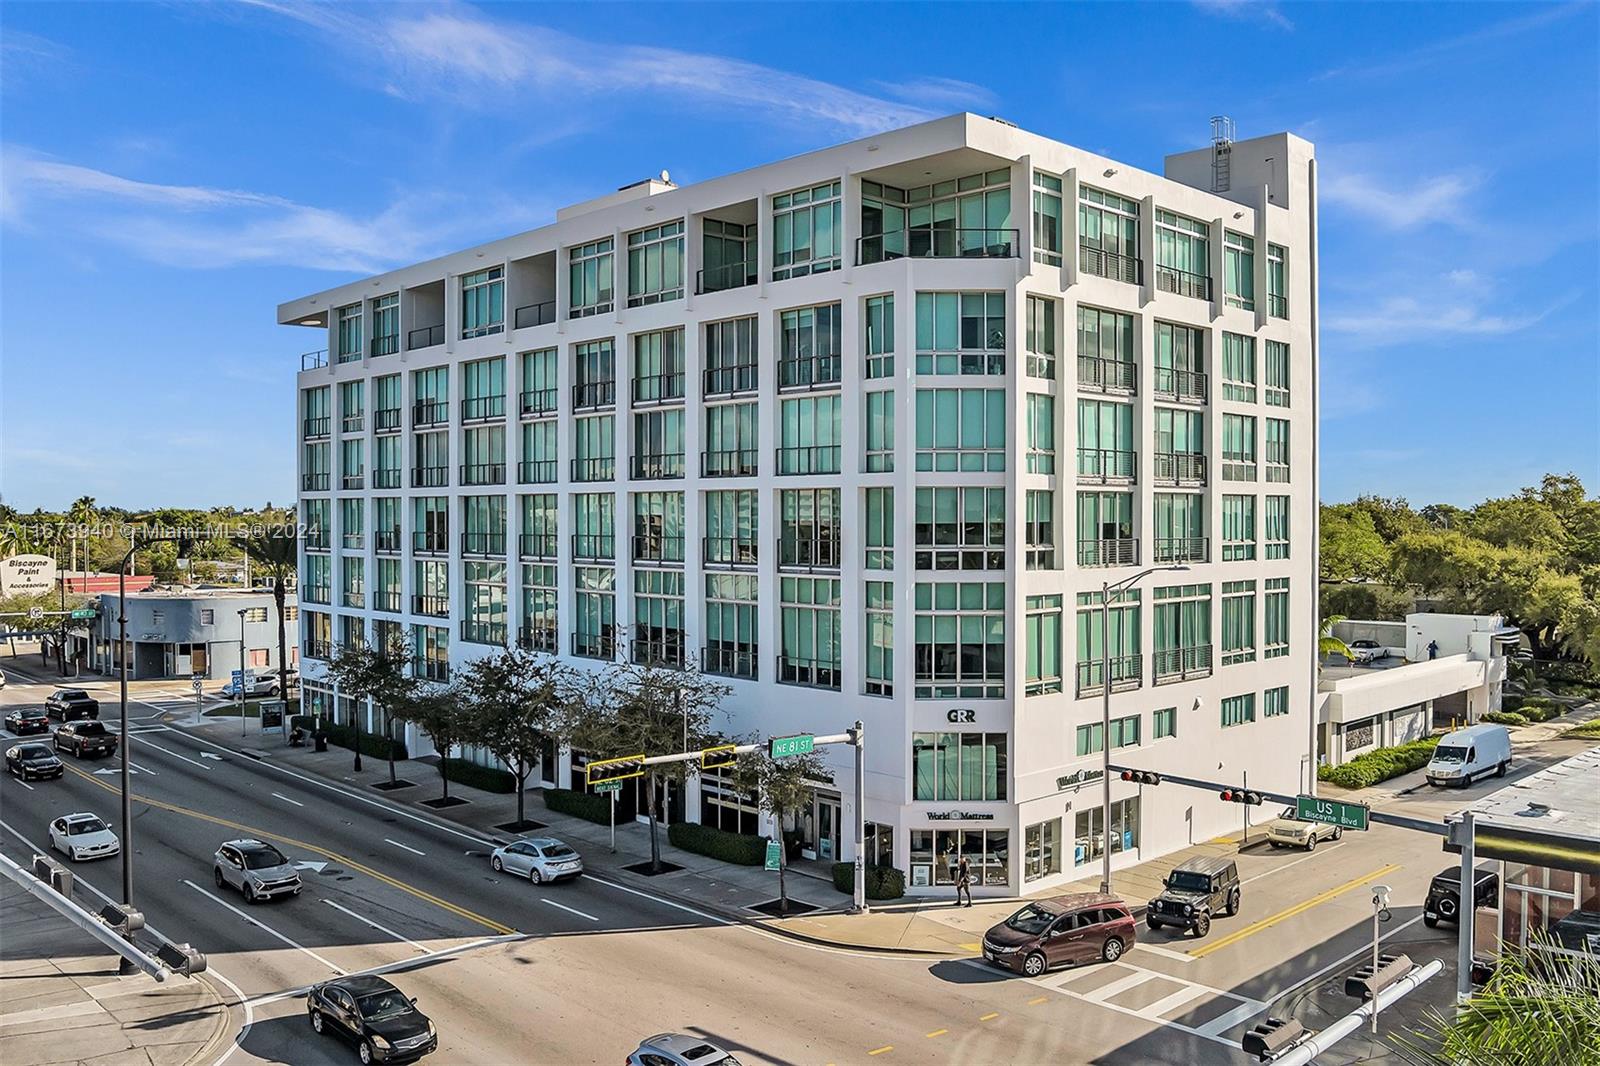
(64, 1002)
(908, 926)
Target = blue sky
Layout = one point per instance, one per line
(173, 171)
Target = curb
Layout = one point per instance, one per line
(224, 1034)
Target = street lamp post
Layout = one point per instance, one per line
(1106, 589)
(239, 688)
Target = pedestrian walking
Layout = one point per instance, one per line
(963, 881)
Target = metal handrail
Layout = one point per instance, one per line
(812, 553)
(1107, 375)
(430, 413)
(739, 462)
(1180, 468)
(1183, 282)
(655, 548)
(813, 673)
(810, 459)
(818, 370)
(1114, 265)
(1126, 673)
(1123, 551)
(1175, 384)
(476, 407)
(386, 418)
(597, 546)
(729, 660)
(1107, 464)
(929, 242)
(603, 468)
(1181, 664)
(314, 360)
(430, 477)
(536, 472)
(483, 473)
(658, 388)
(537, 314)
(424, 337)
(1182, 549)
(537, 545)
(594, 394)
(729, 551)
(538, 638)
(731, 380)
(316, 427)
(748, 275)
(483, 544)
(540, 401)
(432, 606)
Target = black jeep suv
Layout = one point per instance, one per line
(1196, 890)
(1444, 894)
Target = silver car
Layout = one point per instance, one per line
(679, 1049)
(257, 869)
(539, 859)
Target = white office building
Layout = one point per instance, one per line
(865, 432)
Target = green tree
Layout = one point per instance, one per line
(516, 699)
(1352, 549)
(379, 674)
(783, 787)
(438, 712)
(1540, 1007)
(276, 553)
(1328, 644)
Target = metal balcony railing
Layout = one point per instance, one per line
(536, 471)
(314, 360)
(1126, 674)
(653, 647)
(1114, 265)
(386, 419)
(316, 593)
(483, 632)
(1181, 664)
(938, 242)
(430, 413)
(810, 553)
(601, 645)
(1175, 384)
(538, 638)
(1183, 282)
(424, 337)
(657, 467)
(594, 546)
(352, 423)
(430, 542)
(729, 660)
(658, 388)
(602, 468)
(742, 462)
(431, 669)
(386, 479)
(317, 649)
(1180, 468)
(386, 541)
(1107, 375)
(1104, 465)
(812, 459)
(1182, 550)
(731, 380)
(388, 344)
(483, 473)
(1120, 552)
(809, 371)
(729, 551)
(432, 606)
(483, 544)
(540, 401)
(387, 600)
(317, 427)
(594, 394)
(314, 482)
(537, 545)
(478, 408)
(655, 548)
(539, 314)
(726, 276)
(813, 673)
(429, 477)
(315, 540)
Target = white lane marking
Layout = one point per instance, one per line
(266, 928)
(1120, 985)
(1168, 1004)
(1279, 869)
(571, 910)
(143, 769)
(403, 847)
(211, 970)
(665, 902)
(25, 785)
(399, 967)
(286, 799)
(1166, 953)
(174, 754)
(380, 928)
(1219, 1025)
(1365, 949)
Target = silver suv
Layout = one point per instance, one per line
(257, 869)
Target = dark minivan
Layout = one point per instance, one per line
(1049, 932)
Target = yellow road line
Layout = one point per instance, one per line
(1284, 915)
(936, 1032)
(410, 890)
(881, 1050)
(990, 1016)
(970, 947)
(1041, 999)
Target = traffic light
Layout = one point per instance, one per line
(122, 918)
(181, 958)
(1366, 982)
(1272, 1037)
(1143, 777)
(1239, 795)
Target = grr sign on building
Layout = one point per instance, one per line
(27, 575)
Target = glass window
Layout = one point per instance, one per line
(1277, 449)
(880, 431)
(483, 388)
(1182, 633)
(1125, 732)
(1275, 702)
(806, 231)
(657, 617)
(809, 435)
(731, 363)
(1239, 269)
(590, 285)
(1164, 723)
(1180, 362)
(879, 667)
(1108, 235)
(483, 302)
(1277, 281)
(1042, 315)
(1277, 374)
(1275, 527)
(1105, 441)
(730, 535)
(1122, 653)
(1180, 528)
(879, 325)
(810, 347)
(961, 429)
(958, 767)
(1041, 850)
(1238, 368)
(810, 528)
(484, 592)
(960, 640)
(349, 333)
(594, 525)
(1041, 428)
(1238, 622)
(730, 441)
(1106, 359)
(594, 455)
(658, 443)
(658, 527)
(1238, 528)
(540, 526)
(1275, 618)
(961, 333)
(731, 619)
(1183, 255)
(655, 264)
(1043, 640)
(1047, 224)
(1039, 529)
(1238, 448)
(809, 631)
(595, 630)
(729, 255)
(879, 538)
(1237, 710)
(386, 324)
(538, 453)
(658, 366)
(960, 528)
(1105, 529)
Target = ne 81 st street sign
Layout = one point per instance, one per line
(780, 747)
(1334, 812)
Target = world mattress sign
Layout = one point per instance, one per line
(27, 575)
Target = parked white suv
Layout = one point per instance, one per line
(1367, 651)
(255, 868)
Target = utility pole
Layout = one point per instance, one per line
(240, 687)
(858, 903)
(1467, 908)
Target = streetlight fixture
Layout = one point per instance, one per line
(1106, 589)
(239, 688)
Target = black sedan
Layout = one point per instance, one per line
(70, 704)
(26, 720)
(33, 760)
(377, 1017)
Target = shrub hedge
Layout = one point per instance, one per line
(343, 736)
(883, 882)
(1380, 764)
(1504, 718)
(487, 778)
(738, 848)
(590, 808)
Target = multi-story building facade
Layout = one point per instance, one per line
(866, 432)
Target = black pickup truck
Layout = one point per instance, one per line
(84, 739)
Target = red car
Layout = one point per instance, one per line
(1066, 929)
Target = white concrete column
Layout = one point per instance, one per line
(1147, 250)
(1218, 282)
(1069, 228)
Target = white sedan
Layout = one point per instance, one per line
(263, 685)
(83, 836)
(539, 859)
(1367, 651)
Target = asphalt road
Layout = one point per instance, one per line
(579, 972)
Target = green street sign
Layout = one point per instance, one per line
(779, 747)
(1334, 812)
(84, 612)
(607, 786)
(773, 857)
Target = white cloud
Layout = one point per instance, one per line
(1441, 199)
(197, 226)
(1264, 10)
(1405, 318)
(457, 52)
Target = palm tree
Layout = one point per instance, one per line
(277, 552)
(1328, 644)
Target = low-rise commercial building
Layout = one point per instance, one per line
(182, 632)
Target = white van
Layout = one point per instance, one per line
(1468, 753)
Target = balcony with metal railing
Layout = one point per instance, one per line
(432, 606)
(482, 408)
(657, 467)
(430, 413)
(598, 468)
(658, 388)
(729, 551)
(430, 542)
(810, 552)
(809, 372)
(386, 420)
(601, 645)
(591, 394)
(387, 600)
(939, 242)
(386, 541)
(430, 477)
(724, 277)
(316, 539)
(536, 402)
(729, 660)
(811, 673)
(809, 459)
(657, 647)
(352, 423)
(731, 380)
(657, 548)
(536, 472)
(1183, 550)
(1107, 264)
(483, 544)
(316, 428)
(1120, 552)
(310, 593)
(388, 344)
(1107, 375)
(315, 482)
(424, 337)
(594, 547)
(478, 632)
(740, 462)
(1171, 665)
(313, 648)
(430, 669)
(1104, 466)
(537, 546)
(1180, 468)
(386, 479)
(1185, 386)
(1183, 282)
(353, 481)
(537, 314)
(314, 360)
(1126, 675)
(539, 638)
(483, 473)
